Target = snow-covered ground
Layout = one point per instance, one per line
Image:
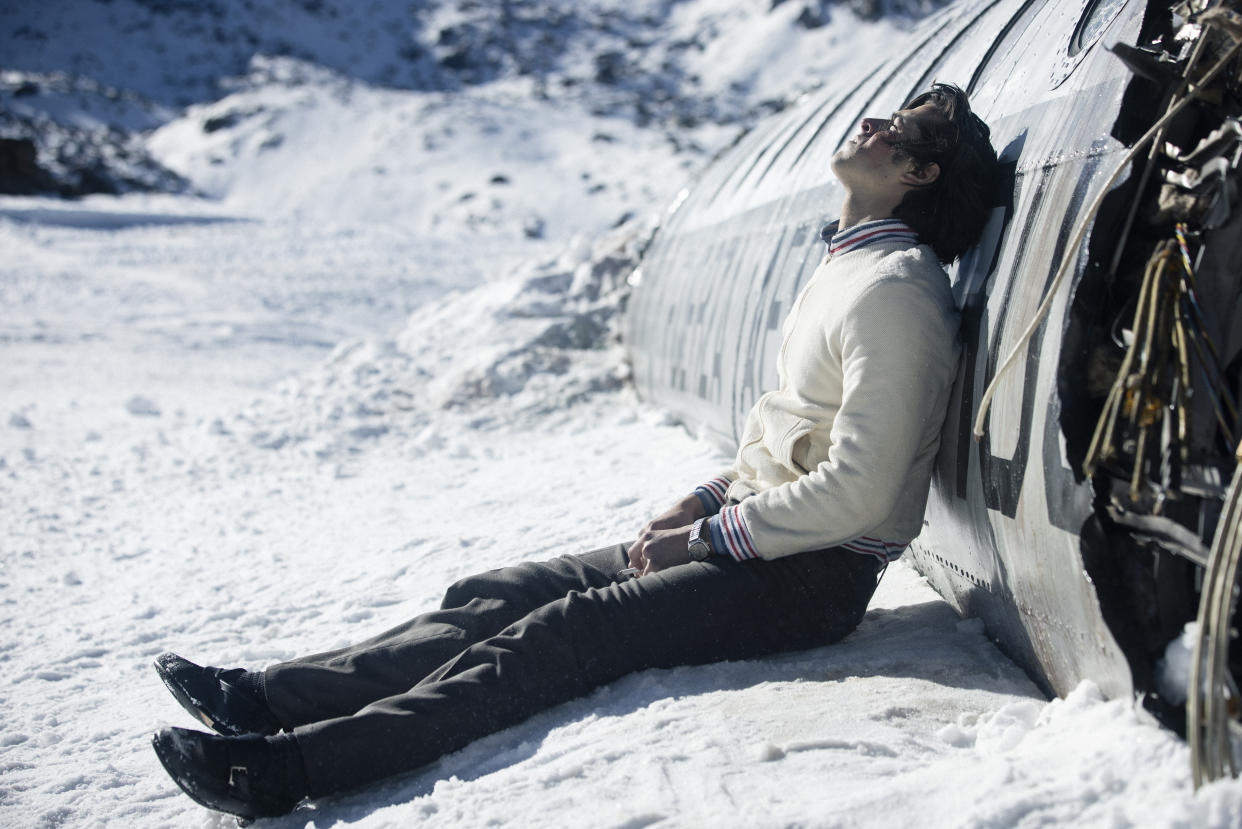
(379, 354)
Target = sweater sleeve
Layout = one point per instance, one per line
(899, 357)
(712, 493)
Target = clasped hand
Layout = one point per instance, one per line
(664, 541)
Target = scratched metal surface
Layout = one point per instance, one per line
(1001, 537)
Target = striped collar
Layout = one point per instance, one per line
(867, 233)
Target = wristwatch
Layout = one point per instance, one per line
(700, 545)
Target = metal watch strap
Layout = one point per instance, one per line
(700, 544)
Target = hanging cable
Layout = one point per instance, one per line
(1216, 386)
(1102, 441)
(1072, 249)
(1212, 693)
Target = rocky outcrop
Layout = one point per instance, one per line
(69, 136)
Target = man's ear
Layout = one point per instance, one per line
(921, 176)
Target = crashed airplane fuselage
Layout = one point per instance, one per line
(1078, 523)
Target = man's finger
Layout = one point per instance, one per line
(635, 555)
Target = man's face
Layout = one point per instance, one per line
(869, 163)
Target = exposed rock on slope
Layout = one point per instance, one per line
(71, 136)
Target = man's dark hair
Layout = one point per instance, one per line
(949, 213)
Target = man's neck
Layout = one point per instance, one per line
(855, 211)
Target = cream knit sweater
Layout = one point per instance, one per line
(842, 452)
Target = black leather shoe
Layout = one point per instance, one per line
(249, 776)
(211, 695)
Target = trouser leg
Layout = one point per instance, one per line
(339, 682)
(696, 613)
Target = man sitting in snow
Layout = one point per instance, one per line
(781, 552)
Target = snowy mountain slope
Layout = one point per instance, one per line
(80, 78)
(653, 51)
(495, 161)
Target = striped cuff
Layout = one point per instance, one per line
(727, 527)
(712, 494)
(885, 551)
(717, 534)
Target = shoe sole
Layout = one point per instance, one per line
(174, 762)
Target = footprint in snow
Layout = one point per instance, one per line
(140, 406)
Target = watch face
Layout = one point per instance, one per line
(699, 547)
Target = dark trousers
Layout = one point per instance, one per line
(509, 643)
